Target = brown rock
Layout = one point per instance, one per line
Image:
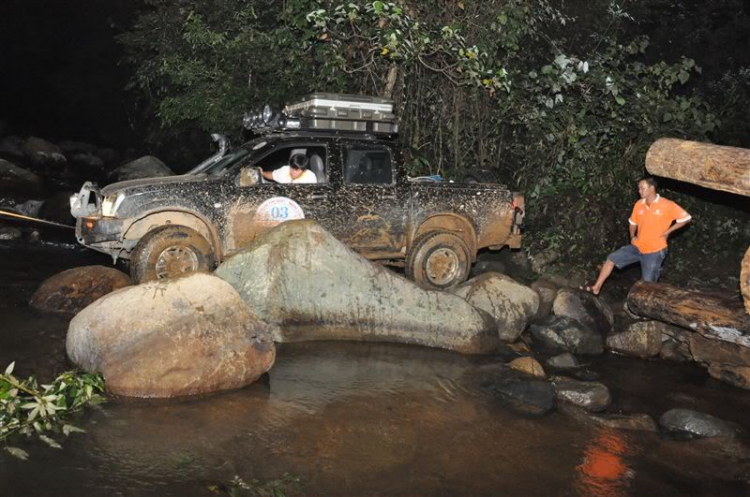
(708, 350)
(72, 290)
(638, 422)
(590, 395)
(547, 292)
(738, 376)
(641, 339)
(183, 336)
(528, 365)
(584, 308)
(672, 350)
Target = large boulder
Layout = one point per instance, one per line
(19, 181)
(711, 350)
(185, 336)
(738, 376)
(147, 166)
(509, 302)
(691, 423)
(11, 147)
(547, 292)
(43, 154)
(590, 395)
(522, 392)
(70, 291)
(641, 339)
(584, 308)
(566, 334)
(299, 276)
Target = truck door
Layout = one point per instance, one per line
(371, 202)
(264, 205)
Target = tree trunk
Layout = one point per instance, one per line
(710, 315)
(390, 80)
(745, 280)
(711, 166)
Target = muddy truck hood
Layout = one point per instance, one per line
(148, 184)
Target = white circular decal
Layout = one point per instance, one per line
(276, 210)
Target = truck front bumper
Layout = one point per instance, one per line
(92, 230)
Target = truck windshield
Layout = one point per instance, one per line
(236, 156)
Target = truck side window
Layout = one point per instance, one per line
(316, 155)
(368, 166)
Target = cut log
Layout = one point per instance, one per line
(745, 280)
(712, 166)
(713, 316)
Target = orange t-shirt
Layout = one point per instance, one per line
(654, 220)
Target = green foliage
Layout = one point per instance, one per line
(560, 110)
(32, 409)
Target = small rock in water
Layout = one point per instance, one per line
(639, 422)
(528, 365)
(695, 424)
(523, 393)
(563, 333)
(592, 396)
(34, 236)
(72, 290)
(641, 339)
(10, 233)
(738, 376)
(565, 360)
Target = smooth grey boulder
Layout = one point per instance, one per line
(88, 161)
(8, 233)
(147, 166)
(566, 360)
(170, 338)
(641, 339)
(509, 302)
(299, 276)
(584, 308)
(590, 395)
(72, 290)
(562, 333)
(41, 153)
(695, 424)
(547, 292)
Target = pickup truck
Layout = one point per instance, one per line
(172, 225)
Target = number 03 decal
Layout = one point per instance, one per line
(276, 210)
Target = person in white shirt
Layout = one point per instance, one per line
(296, 172)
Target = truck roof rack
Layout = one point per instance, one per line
(327, 112)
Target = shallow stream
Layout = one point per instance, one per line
(362, 419)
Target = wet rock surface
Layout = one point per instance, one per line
(641, 339)
(547, 292)
(522, 392)
(509, 302)
(185, 336)
(72, 290)
(563, 333)
(738, 376)
(590, 395)
(688, 422)
(528, 365)
(566, 360)
(147, 166)
(19, 181)
(300, 277)
(585, 308)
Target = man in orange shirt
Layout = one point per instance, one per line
(651, 223)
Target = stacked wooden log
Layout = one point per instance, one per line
(712, 166)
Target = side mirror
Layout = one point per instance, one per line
(249, 176)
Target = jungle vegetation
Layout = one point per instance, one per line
(557, 99)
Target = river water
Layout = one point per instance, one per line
(362, 419)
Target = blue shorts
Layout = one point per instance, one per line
(650, 263)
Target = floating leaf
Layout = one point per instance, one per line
(16, 452)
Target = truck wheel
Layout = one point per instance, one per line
(438, 260)
(168, 252)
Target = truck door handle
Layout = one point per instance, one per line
(318, 197)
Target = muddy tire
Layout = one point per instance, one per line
(168, 252)
(438, 260)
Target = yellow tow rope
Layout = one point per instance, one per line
(36, 220)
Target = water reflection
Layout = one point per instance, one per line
(605, 471)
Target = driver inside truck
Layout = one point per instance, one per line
(295, 172)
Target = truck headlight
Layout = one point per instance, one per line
(111, 204)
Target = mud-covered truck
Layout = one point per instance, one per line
(168, 226)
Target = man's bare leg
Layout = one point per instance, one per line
(603, 275)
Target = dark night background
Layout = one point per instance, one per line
(62, 75)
